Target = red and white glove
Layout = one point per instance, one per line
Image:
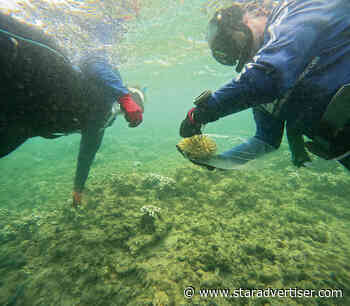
(133, 112)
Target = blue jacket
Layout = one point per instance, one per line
(97, 71)
(96, 66)
(297, 33)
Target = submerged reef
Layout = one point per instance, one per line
(142, 238)
(162, 186)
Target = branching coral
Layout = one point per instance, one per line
(157, 180)
(150, 210)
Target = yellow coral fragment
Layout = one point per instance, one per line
(198, 147)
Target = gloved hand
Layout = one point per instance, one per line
(133, 112)
(189, 127)
(199, 115)
(76, 198)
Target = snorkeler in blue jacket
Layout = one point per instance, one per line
(294, 73)
(43, 94)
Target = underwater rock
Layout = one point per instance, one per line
(152, 228)
(157, 180)
(94, 236)
(147, 222)
(7, 234)
(12, 262)
(18, 294)
(140, 246)
(161, 298)
(163, 185)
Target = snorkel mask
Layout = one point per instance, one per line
(230, 40)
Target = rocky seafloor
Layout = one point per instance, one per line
(141, 238)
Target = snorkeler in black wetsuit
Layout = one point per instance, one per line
(43, 94)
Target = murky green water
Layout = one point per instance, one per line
(165, 51)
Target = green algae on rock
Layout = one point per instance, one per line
(217, 230)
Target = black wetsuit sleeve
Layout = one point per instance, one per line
(90, 142)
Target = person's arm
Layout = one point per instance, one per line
(97, 71)
(97, 68)
(89, 144)
(291, 42)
